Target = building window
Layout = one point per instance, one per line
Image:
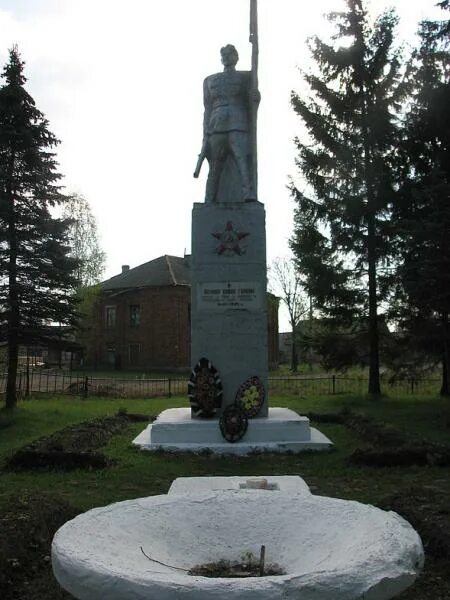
(110, 355)
(135, 315)
(110, 317)
(134, 352)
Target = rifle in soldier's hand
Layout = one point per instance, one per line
(201, 158)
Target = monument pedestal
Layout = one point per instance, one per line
(283, 430)
(229, 293)
(229, 329)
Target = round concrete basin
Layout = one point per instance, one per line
(330, 549)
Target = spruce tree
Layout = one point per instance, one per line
(341, 230)
(36, 275)
(422, 214)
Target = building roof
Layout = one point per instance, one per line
(162, 271)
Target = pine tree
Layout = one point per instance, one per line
(341, 232)
(36, 275)
(423, 212)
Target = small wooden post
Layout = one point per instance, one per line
(261, 561)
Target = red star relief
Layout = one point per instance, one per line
(229, 240)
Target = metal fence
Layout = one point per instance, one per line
(55, 382)
(336, 384)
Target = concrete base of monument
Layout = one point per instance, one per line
(282, 431)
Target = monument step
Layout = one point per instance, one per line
(282, 431)
(175, 425)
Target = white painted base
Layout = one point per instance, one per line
(331, 549)
(282, 431)
(292, 484)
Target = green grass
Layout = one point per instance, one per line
(138, 473)
(143, 473)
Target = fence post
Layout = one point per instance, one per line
(333, 382)
(412, 386)
(86, 383)
(170, 388)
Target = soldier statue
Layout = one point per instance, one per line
(230, 100)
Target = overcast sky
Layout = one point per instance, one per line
(121, 84)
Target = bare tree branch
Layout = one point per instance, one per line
(286, 283)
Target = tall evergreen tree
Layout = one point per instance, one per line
(341, 231)
(36, 275)
(422, 214)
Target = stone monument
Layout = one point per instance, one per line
(229, 295)
(229, 352)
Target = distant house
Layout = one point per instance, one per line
(50, 346)
(306, 329)
(142, 318)
(320, 340)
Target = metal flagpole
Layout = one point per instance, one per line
(254, 87)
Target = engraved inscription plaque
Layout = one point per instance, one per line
(229, 295)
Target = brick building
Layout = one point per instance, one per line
(142, 318)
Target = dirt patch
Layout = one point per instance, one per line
(390, 447)
(432, 584)
(83, 388)
(420, 455)
(27, 527)
(226, 568)
(335, 418)
(136, 417)
(373, 431)
(387, 447)
(428, 511)
(73, 447)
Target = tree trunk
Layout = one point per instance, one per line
(445, 385)
(374, 359)
(13, 359)
(13, 298)
(294, 355)
(13, 341)
(310, 352)
(27, 385)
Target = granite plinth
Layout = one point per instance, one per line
(282, 431)
(229, 293)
